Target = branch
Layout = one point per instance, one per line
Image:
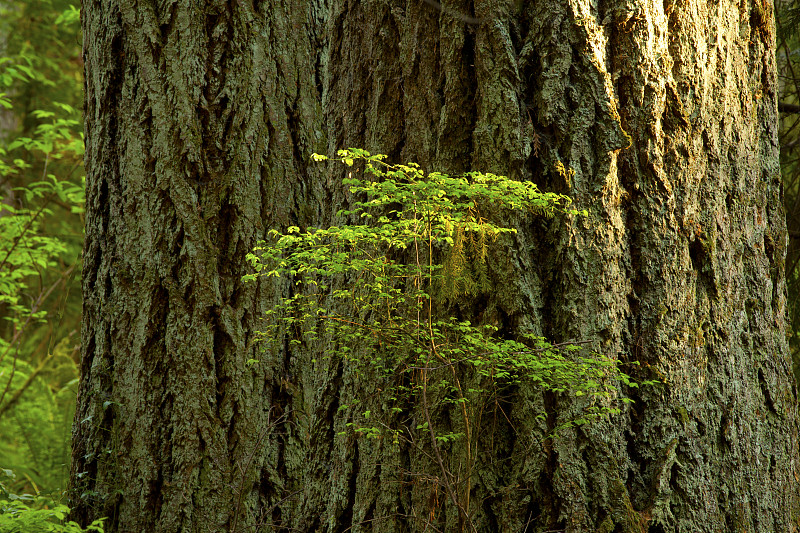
(788, 108)
(435, 445)
(18, 393)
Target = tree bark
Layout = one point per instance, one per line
(200, 120)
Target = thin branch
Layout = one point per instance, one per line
(18, 393)
(34, 308)
(783, 107)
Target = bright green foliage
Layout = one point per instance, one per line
(34, 417)
(378, 290)
(381, 295)
(24, 250)
(16, 517)
(24, 513)
(41, 206)
(40, 58)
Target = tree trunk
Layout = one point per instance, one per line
(199, 126)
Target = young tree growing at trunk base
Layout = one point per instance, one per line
(658, 119)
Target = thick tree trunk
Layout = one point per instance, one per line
(199, 124)
(199, 119)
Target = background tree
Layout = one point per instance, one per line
(200, 123)
(788, 43)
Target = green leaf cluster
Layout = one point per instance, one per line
(376, 290)
(25, 513)
(17, 517)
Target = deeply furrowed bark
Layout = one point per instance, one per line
(196, 121)
(200, 118)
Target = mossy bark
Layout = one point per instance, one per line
(200, 120)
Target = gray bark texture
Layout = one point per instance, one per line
(200, 120)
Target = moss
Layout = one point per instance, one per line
(684, 415)
(607, 526)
